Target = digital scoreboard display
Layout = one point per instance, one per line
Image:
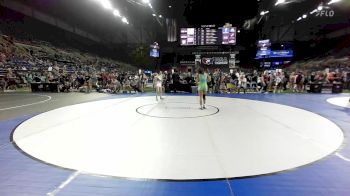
(229, 35)
(264, 43)
(154, 50)
(208, 36)
(261, 54)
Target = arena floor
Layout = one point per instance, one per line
(97, 144)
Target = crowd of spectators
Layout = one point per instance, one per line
(276, 81)
(24, 64)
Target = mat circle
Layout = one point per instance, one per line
(176, 110)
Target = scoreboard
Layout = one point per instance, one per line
(208, 36)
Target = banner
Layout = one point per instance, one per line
(171, 30)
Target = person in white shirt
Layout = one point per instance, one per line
(158, 79)
(242, 83)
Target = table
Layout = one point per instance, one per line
(45, 87)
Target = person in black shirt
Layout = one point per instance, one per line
(88, 83)
(285, 81)
(63, 87)
(36, 78)
(176, 80)
(80, 81)
(210, 82)
(2, 84)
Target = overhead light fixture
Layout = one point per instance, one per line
(124, 20)
(320, 7)
(299, 18)
(160, 16)
(106, 4)
(313, 11)
(154, 15)
(145, 1)
(262, 13)
(170, 6)
(304, 16)
(116, 13)
(334, 1)
(280, 2)
(150, 5)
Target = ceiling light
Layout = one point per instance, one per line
(319, 8)
(160, 16)
(299, 18)
(280, 2)
(262, 13)
(304, 16)
(154, 15)
(145, 1)
(124, 20)
(170, 6)
(116, 13)
(313, 11)
(334, 1)
(106, 4)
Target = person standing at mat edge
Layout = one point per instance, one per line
(158, 79)
(202, 81)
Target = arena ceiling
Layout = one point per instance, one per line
(95, 19)
(92, 17)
